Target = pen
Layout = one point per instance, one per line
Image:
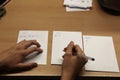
(90, 58)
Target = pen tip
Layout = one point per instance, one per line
(93, 59)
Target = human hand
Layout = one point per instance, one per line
(11, 60)
(74, 61)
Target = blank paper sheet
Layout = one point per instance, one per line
(60, 40)
(42, 38)
(102, 49)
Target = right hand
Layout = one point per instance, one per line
(74, 61)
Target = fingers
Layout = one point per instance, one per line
(31, 50)
(25, 66)
(80, 54)
(78, 50)
(70, 47)
(65, 49)
(25, 44)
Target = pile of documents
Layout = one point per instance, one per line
(78, 5)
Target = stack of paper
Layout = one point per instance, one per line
(78, 5)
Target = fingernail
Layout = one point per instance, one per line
(40, 51)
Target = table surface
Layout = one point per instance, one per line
(51, 15)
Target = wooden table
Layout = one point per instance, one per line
(51, 15)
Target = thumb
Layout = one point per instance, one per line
(25, 66)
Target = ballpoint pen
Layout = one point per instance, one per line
(90, 58)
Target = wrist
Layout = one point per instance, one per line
(67, 76)
(3, 66)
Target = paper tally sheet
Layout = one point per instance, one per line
(42, 38)
(60, 41)
(102, 49)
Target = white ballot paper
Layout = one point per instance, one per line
(78, 5)
(102, 49)
(68, 9)
(42, 38)
(60, 41)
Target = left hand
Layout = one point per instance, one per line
(12, 59)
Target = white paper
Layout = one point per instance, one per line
(102, 49)
(78, 3)
(68, 9)
(60, 40)
(75, 3)
(42, 38)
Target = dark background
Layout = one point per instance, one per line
(2, 1)
(53, 78)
